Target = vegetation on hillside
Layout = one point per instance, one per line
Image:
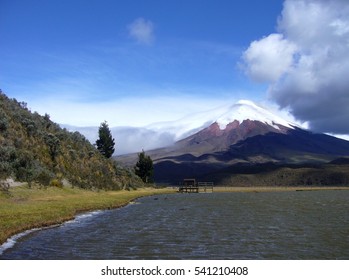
(35, 149)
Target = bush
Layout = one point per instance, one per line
(7, 158)
(56, 183)
(4, 187)
(44, 177)
(3, 124)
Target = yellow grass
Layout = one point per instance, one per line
(25, 208)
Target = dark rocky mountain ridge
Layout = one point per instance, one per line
(296, 146)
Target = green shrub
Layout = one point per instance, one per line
(44, 177)
(56, 183)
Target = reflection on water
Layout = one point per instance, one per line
(284, 225)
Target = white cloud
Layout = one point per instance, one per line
(341, 27)
(269, 58)
(165, 133)
(133, 111)
(142, 31)
(129, 139)
(307, 63)
(341, 136)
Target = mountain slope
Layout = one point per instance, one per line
(245, 134)
(294, 147)
(35, 149)
(232, 124)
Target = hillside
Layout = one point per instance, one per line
(34, 149)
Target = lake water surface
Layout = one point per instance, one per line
(274, 225)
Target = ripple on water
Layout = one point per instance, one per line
(294, 225)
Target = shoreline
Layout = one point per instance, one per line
(106, 200)
(8, 240)
(257, 189)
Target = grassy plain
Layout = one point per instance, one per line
(23, 208)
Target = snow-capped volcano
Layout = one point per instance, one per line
(167, 133)
(247, 110)
(217, 130)
(212, 143)
(223, 116)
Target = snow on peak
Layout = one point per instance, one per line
(248, 110)
(164, 134)
(240, 111)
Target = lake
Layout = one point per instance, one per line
(265, 225)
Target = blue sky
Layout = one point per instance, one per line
(82, 55)
(137, 62)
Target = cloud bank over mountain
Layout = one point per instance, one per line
(163, 134)
(307, 63)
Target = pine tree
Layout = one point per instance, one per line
(105, 143)
(144, 167)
